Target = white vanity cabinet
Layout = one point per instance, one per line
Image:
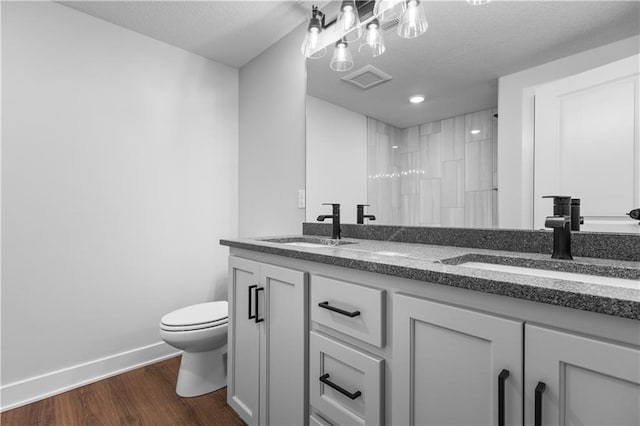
(577, 380)
(389, 350)
(346, 380)
(450, 362)
(454, 366)
(268, 337)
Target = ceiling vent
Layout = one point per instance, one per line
(389, 26)
(367, 77)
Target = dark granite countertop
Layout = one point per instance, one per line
(439, 264)
(600, 245)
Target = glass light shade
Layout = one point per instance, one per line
(349, 21)
(413, 22)
(477, 2)
(342, 60)
(388, 10)
(373, 41)
(311, 45)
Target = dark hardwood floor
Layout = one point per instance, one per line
(145, 396)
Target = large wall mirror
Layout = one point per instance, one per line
(451, 160)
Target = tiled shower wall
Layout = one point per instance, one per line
(435, 174)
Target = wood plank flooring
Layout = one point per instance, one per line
(145, 396)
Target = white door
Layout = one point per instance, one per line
(586, 381)
(447, 364)
(243, 357)
(587, 145)
(283, 339)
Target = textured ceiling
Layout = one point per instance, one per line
(229, 32)
(456, 63)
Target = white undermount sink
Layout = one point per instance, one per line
(303, 244)
(560, 275)
(309, 242)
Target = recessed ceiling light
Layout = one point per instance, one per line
(395, 147)
(475, 132)
(416, 99)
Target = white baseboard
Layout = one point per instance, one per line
(24, 392)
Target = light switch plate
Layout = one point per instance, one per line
(301, 199)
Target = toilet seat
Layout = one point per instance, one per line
(196, 317)
(205, 326)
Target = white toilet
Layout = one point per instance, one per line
(201, 332)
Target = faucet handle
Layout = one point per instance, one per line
(559, 199)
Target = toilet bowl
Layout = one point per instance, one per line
(201, 332)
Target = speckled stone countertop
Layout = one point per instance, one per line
(439, 264)
(584, 244)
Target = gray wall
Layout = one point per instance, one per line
(119, 176)
(272, 139)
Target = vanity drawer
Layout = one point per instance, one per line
(316, 419)
(346, 384)
(352, 309)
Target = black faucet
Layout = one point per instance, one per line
(335, 235)
(576, 219)
(560, 222)
(360, 214)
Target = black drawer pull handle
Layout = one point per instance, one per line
(251, 287)
(502, 377)
(325, 305)
(256, 300)
(538, 405)
(325, 379)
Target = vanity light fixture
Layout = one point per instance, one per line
(342, 60)
(416, 99)
(477, 2)
(373, 40)
(310, 45)
(348, 25)
(413, 21)
(349, 21)
(388, 10)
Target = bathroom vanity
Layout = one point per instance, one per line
(386, 332)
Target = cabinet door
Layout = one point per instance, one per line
(243, 341)
(446, 365)
(283, 340)
(588, 381)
